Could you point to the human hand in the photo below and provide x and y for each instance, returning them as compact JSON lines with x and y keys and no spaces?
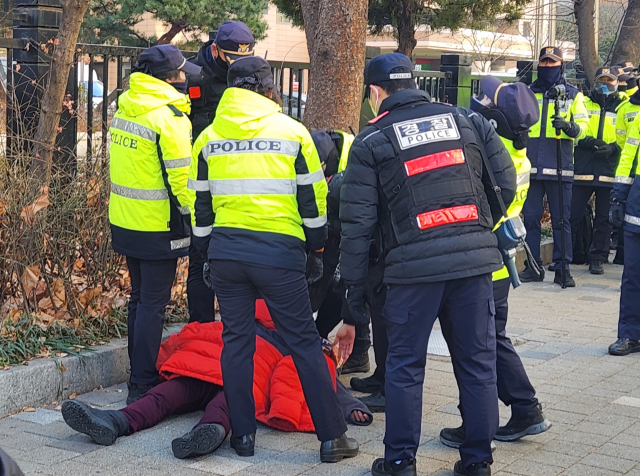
{"x":344,"y":342}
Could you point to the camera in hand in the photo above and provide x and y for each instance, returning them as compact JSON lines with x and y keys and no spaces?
{"x":559,"y":91}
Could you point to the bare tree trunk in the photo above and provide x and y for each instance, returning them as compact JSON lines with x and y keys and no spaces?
{"x":336,"y":37}
{"x":53,"y":99}
{"x":627,"y":46}
{"x":176,"y":28}
{"x":406,"y":31}
{"x":584,"y":12}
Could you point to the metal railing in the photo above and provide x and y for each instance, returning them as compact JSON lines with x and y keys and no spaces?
{"x":434,"y":83}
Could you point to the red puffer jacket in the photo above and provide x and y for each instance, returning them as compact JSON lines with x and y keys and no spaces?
{"x":195,"y":352}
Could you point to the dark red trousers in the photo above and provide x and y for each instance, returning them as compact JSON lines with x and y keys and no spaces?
{"x":176,"y":397}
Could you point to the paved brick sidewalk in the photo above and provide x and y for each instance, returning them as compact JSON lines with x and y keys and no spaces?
{"x":592,"y":399}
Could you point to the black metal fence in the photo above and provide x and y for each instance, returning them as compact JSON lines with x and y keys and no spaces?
{"x":433,"y":82}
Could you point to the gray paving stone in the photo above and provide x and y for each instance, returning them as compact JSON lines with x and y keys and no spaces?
{"x":533,"y":354}
{"x":610,"y":463}
{"x":40,"y":416}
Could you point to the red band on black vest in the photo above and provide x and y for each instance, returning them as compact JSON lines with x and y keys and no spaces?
{"x":195,"y":92}
{"x":434,"y":161}
{"x":447,"y":216}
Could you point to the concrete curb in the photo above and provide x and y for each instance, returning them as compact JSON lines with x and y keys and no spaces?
{"x":546,"y":253}
{"x":41,"y":382}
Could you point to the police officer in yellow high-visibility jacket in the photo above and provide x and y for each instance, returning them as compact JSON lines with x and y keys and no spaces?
{"x":512,"y":109}
{"x":150,"y":154}
{"x":258,"y":193}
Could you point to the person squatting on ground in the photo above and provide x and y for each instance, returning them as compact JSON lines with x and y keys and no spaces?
{"x":512,"y":109}
{"x":234,"y":40}
{"x":189,"y":363}
{"x":416,"y":171}
{"x":263,"y":200}
{"x":625,"y":211}
{"x":573,"y":122}
{"x":596,"y":158}
{"x":150,"y":152}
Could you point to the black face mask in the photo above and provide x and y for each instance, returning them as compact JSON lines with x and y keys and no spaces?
{"x":622,"y":87}
{"x":180,"y":87}
{"x":521,"y":140}
{"x":549,"y":75}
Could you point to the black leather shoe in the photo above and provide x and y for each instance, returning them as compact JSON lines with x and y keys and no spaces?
{"x":375,"y":403}
{"x":244,"y":445}
{"x":339,"y":448}
{"x":624,"y":346}
{"x":570,"y":283}
{"x":478,"y":469}
{"x":136,"y":392}
{"x":102,"y":426}
{"x":366,"y":385}
{"x":527,"y":275}
{"x":454,"y":437}
{"x":200,"y":441}
{"x":552,"y":267}
{"x":405,"y":467}
{"x":533,"y":424}
{"x":356,"y":363}
{"x":595,"y":267}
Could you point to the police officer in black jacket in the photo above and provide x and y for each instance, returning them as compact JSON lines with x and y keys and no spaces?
{"x":234,"y":40}
{"x":417,"y":171}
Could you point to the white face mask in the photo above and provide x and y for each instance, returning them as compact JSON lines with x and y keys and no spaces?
{"x":374,"y":104}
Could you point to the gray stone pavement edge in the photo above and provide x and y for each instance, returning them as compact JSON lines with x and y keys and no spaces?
{"x":593,"y":400}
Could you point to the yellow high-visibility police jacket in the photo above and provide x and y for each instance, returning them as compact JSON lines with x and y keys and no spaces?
{"x":257,"y":189}
{"x":626,"y":188}
{"x":626,"y":115}
{"x":347,"y":140}
{"x":150,"y":154}
{"x":523,"y":172}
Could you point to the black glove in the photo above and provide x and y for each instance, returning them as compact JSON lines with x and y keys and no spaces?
{"x":206,"y":275}
{"x":591,"y":143}
{"x":607,"y":150}
{"x":559,"y":123}
{"x":356,"y":305}
{"x":315,"y":268}
{"x":616,"y":212}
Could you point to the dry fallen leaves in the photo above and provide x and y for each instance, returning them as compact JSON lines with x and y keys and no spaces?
{"x":29,"y":409}
{"x":73,"y":396}
{"x":28,"y":213}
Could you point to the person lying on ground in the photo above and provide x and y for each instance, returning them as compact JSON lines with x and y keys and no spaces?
{"x":189,"y":364}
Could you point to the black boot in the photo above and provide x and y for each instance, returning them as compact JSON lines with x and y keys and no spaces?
{"x":375,"y":402}
{"x":369,"y":384}
{"x":200,"y":441}
{"x":244,"y":445}
{"x":356,"y":363}
{"x":595,"y":267}
{"x":405,"y":467}
{"x":533,"y":424}
{"x":103,"y":426}
{"x":454,"y":437}
{"x":339,"y":448}
{"x":624,"y":346}
{"x":527,"y":275}
{"x":569,"y":282}
{"x":136,"y":392}
{"x":478,"y":469}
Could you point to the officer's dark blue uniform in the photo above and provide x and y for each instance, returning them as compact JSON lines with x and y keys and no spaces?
{"x":234,"y":40}
{"x":542,"y":152}
{"x":417,"y":172}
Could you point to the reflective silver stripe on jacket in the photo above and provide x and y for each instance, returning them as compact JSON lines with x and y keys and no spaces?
{"x":252,"y":187}
{"x":605,"y":178}
{"x":252,"y":146}
{"x":633,"y":141}
{"x":585,"y":177}
{"x":565,"y":173}
{"x":534,"y":170}
{"x":623,"y":179}
{"x":198,"y":185}
{"x":631,"y":115}
{"x":184,"y":210}
{"x":133,"y":128}
{"x":308,"y":179}
{"x":315,"y":222}
{"x":582,"y":116}
{"x":181,"y":243}
{"x":201,"y":231}
{"x":631,"y":219}
{"x":593,"y":112}
{"x":620,"y":131}
{"x":523,"y":179}
{"x":177,"y":163}
{"x":139,"y":193}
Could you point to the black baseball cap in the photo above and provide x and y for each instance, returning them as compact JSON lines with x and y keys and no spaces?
{"x":161,"y":59}
{"x":387,"y":68}
{"x":250,"y":69}
{"x":515,"y":100}
{"x":613,"y":72}
{"x":551,"y":52}
{"x":626,"y":66}
{"x":235,"y":40}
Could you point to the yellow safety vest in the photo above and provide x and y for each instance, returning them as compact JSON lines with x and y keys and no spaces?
{"x":626,"y":115}
{"x":624,"y":172}
{"x":570,"y":109}
{"x":263,"y":170}
{"x":347,"y":140}
{"x":150,"y":154}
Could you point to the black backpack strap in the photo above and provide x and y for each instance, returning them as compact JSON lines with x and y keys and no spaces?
{"x":176,"y":112}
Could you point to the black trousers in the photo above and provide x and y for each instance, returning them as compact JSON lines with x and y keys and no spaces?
{"x":286,"y":294}
{"x":601,"y":242}
{"x":201,"y":298}
{"x":629,"y":320}
{"x":380,"y":340}
{"x":151,"y":282}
